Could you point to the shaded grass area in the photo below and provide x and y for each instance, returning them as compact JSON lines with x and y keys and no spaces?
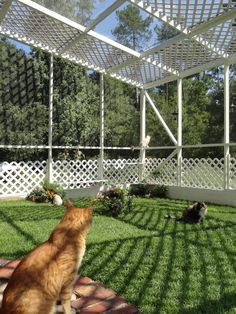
{"x":159,"y":265}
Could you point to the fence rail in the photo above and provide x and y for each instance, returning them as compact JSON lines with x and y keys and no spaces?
{"x":20,"y":178}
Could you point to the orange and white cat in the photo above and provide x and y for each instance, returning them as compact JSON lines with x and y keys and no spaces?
{"x":48,"y":272}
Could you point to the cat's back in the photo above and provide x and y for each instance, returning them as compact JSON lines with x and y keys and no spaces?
{"x":34,"y":282}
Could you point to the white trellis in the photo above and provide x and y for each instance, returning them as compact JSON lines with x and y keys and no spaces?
{"x":19,"y":178}
{"x":206,"y":39}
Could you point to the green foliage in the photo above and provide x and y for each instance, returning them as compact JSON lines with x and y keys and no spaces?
{"x":150,"y":190}
{"x":164,"y":31}
{"x":47,"y":192}
{"x":121,"y":116}
{"x":53,"y":187}
{"x":138,"y":189}
{"x":24,"y":105}
{"x":133,"y":30}
{"x":39,"y":195}
{"x":114,"y":203}
{"x":156,"y":190}
{"x":196,"y":121}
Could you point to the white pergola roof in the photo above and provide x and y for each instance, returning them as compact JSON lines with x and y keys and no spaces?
{"x":207,"y":38}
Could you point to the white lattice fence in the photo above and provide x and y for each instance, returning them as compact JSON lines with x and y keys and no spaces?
{"x":73,"y":174}
{"x":21,"y":177}
{"x":233,"y":173}
{"x":167,"y":175}
{"x":203,"y":173}
{"x":120,"y":171}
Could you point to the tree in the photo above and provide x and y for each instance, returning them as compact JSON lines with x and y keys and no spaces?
{"x":121,"y":117}
{"x":133,"y":30}
{"x":196,"y":115}
{"x":164,"y":31}
{"x":23,"y":115}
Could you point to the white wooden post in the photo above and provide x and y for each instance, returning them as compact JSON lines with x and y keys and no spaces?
{"x":101,"y":157}
{"x":161,"y":119}
{"x":179,"y":139}
{"x":142,"y":155}
{"x":226,"y":127}
{"x":50,"y":122}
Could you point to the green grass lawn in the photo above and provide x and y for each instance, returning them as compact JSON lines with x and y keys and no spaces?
{"x":159,"y":265}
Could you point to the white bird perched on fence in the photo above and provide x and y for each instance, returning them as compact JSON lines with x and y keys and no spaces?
{"x":146,"y":141}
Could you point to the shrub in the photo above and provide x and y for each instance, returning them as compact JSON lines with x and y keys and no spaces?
{"x":157,"y":191}
{"x":138,"y":189}
{"x":46,"y":193}
{"x":151,"y":190}
{"x":53,"y":188}
{"x":38,"y":195}
{"x":114,"y":202}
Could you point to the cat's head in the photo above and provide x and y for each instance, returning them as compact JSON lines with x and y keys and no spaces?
{"x":202,"y":208}
{"x":84,"y":215}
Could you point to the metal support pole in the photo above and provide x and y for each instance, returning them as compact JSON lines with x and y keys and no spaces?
{"x":142,"y":155}
{"x":161,"y":119}
{"x":226,"y":127}
{"x":50,"y":122}
{"x":101,"y":156}
{"x":179,"y":139}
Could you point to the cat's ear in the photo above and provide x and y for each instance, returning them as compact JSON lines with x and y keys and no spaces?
{"x":68,"y":204}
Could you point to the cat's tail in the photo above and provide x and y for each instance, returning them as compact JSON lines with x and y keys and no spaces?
{"x":68,"y":205}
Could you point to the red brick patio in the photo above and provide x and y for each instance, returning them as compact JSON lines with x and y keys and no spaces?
{"x":89,"y":297}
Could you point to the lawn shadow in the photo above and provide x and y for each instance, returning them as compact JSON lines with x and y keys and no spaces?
{"x":23,"y":233}
{"x":226,"y":302}
{"x":125,"y":265}
{"x":31,"y":213}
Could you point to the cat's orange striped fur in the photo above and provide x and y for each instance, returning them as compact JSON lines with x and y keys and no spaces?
{"x":47,"y":273}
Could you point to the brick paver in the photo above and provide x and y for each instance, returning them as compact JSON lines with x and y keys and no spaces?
{"x":89,"y":297}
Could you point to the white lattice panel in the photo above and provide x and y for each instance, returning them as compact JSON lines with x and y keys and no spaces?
{"x":18,"y":178}
{"x":184,"y":55}
{"x":167,"y":175}
{"x":233,"y":173}
{"x":120,"y":171}
{"x":21,"y":177}
{"x":73,"y":174}
{"x":188,"y":13}
{"x":30,"y":25}
{"x":203,"y":173}
{"x":97,"y":52}
{"x":145,"y":72}
{"x":223,"y":36}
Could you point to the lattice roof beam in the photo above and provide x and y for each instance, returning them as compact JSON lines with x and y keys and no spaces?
{"x":95,"y":35}
{"x":6,"y":6}
{"x":187,"y":32}
{"x":77,"y":26}
{"x":189,"y":72}
{"x":80,"y":28}
{"x":141,"y":58}
{"x":93,"y":24}
{"x":191,"y":33}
